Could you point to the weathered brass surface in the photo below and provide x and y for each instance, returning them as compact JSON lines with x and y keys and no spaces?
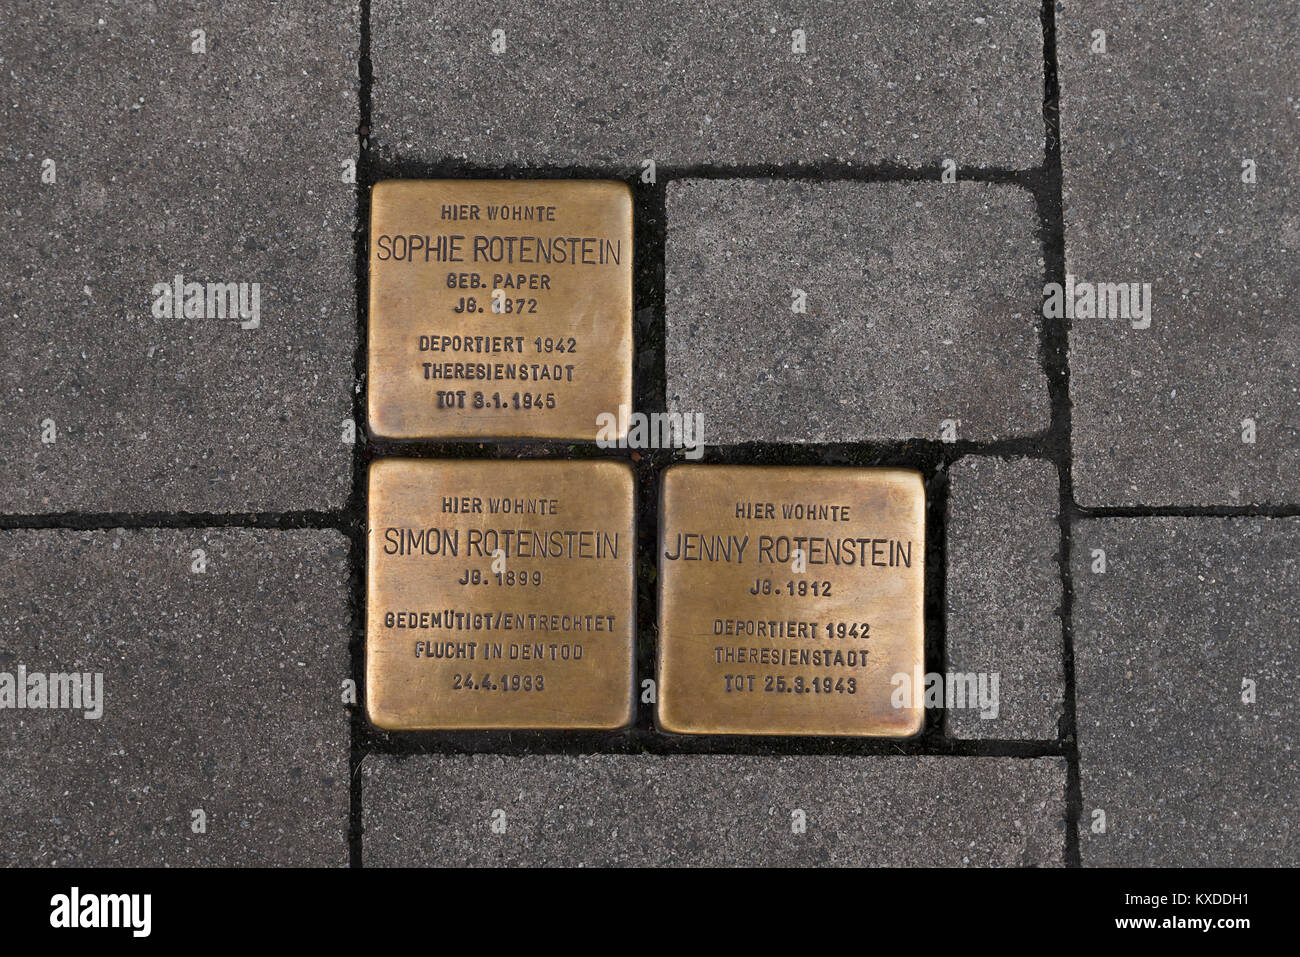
{"x":498,"y":308}
{"x":542,"y":640}
{"x":750,"y":645}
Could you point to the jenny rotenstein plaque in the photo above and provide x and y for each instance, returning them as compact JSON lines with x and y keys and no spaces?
{"x":500,"y":594}
{"x":499,"y":308}
{"x":789,"y":599}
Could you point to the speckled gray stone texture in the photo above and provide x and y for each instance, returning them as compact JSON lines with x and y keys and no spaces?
{"x":922,"y":306}
{"x":221,"y":693}
{"x":1154,"y":132}
{"x":592,"y":83}
{"x":1004,"y":595}
{"x":712,"y":810}
{"x":1188,"y":609}
{"x":223,"y":166}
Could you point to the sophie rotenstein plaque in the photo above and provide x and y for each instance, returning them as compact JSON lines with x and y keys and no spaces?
{"x":499,"y":308}
{"x":789,"y":599}
{"x":500,"y":594}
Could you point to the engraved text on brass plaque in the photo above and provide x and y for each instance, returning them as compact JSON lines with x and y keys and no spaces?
{"x":499,"y":308}
{"x":790,"y":598}
{"x":500,"y":594}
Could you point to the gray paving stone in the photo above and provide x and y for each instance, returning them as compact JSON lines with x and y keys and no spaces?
{"x":601,"y":83}
{"x":922,"y":305}
{"x":1004,"y":595}
{"x":1187,"y":773}
{"x":222,"y":167}
{"x":221,"y":692}
{"x":630,"y":810}
{"x":1154,"y":133}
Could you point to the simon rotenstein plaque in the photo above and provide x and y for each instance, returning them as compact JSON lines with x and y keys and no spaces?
{"x":789,"y":600}
{"x":499,"y":308}
{"x":500,"y":594}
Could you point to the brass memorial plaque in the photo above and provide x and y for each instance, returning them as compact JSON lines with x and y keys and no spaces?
{"x":500,"y":594}
{"x":499,"y":308}
{"x":789,"y":600}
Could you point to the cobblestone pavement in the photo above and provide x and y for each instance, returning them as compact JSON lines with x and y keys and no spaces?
{"x":1113,"y":496}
